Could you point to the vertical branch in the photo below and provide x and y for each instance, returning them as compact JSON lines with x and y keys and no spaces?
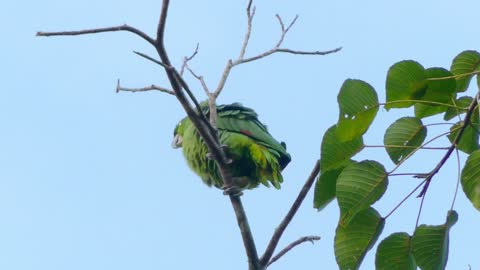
{"x":250,"y":15}
{"x":214,"y":148}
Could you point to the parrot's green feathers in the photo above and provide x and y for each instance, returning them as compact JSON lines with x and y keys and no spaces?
{"x":256,"y":156}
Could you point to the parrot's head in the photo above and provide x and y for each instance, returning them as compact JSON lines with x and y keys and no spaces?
{"x":178,"y":133}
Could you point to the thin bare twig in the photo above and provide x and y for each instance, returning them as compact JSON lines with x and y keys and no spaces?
{"x":421,"y":204}
{"x":404,"y":199}
{"x":246,"y":39}
{"x":187,"y":59}
{"x":291,"y":213}
{"x":420,"y":147}
{"x":202,"y":116}
{"x":428,"y":102}
{"x":406,"y":147}
{"x":199,"y":78}
{"x":454,"y":76}
{"x":275,"y":50}
{"x":152,"y":87}
{"x":101,"y":30}
{"x":283,"y":29}
{"x":302,"y":240}
{"x":459,"y":173}
{"x":151,"y":59}
{"x":415,"y":175}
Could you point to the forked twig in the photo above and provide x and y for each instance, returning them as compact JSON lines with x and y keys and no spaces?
{"x":277,"y":48}
{"x":284,"y":251}
{"x":187,"y":59}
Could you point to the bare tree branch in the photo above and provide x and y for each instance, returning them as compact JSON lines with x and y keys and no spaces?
{"x":283,"y":29}
{"x":277,"y":48}
{"x":151,"y":59}
{"x":100,"y":30}
{"x":199,"y":78}
{"x":284,"y":251}
{"x":152,"y":87}
{"x":246,"y":39}
{"x":187,"y":59}
{"x":291,"y":213}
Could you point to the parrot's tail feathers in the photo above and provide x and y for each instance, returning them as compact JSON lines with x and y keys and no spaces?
{"x":266,"y":165}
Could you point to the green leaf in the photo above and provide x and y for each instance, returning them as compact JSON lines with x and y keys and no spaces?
{"x":438,"y":91}
{"x":469,"y":140}
{"x":325,"y":186}
{"x":464,"y":63}
{"x":424,"y":110}
{"x":394,"y":253}
{"x":430,"y":244}
{"x":358,"y":103}
{"x":354,"y":241}
{"x":406,"y":80}
{"x":471,"y":179}
{"x":463,"y":103}
{"x":335,"y":153}
{"x":359,"y":185}
{"x":403,"y":137}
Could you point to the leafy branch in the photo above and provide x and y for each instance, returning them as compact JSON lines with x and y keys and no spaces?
{"x":358,"y":185}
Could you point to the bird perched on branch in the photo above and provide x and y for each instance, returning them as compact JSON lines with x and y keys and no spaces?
{"x":256,"y":157}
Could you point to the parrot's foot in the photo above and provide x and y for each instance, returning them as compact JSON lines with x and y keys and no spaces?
{"x":235,"y":188}
{"x":232,"y":190}
{"x":225,"y":150}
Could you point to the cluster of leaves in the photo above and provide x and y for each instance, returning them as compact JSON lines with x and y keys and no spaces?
{"x":358,"y":184}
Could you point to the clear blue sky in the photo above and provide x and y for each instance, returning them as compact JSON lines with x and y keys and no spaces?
{"x":88,"y":179}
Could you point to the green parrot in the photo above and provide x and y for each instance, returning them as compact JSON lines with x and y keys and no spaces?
{"x":256,"y":156}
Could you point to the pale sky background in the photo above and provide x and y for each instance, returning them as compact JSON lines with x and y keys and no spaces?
{"x":88,"y":179}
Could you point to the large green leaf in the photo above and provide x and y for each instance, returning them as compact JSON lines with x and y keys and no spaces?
{"x":406,"y":80}
{"x":358,"y":103}
{"x":425,"y":110}
{"x":353,"y":242}
{"x":462,"y":103}
{"x":326,"y":186}
{"x":469,"y":140}
{"x":403,"y":137}
{"x":335,"y":153}
{"x":359,"y":185}
{"x":438,"y":91}
{"x":395,"y":253}
{"x":430,"y":244}
{"x":471,"y":178}
{"x":464,"y":63}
